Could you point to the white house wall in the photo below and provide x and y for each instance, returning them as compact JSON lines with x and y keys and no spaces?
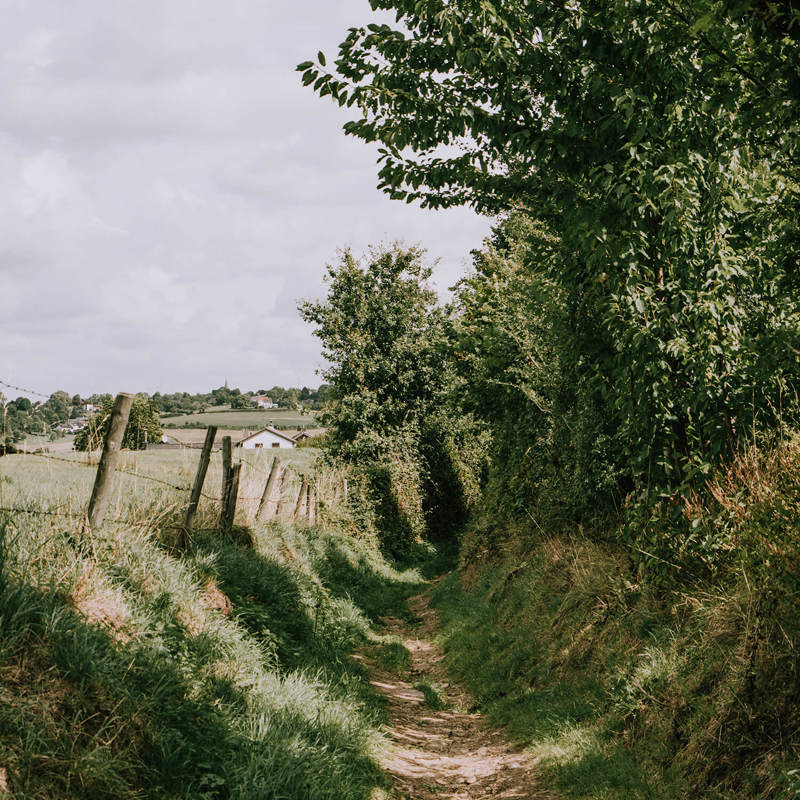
{"x":266,"y":439}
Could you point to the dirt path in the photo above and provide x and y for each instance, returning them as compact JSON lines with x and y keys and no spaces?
{"x":448,"y":754}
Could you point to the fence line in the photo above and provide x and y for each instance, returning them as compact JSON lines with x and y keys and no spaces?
{"x":75,"y":462}
{"x":26,"y":391}
{"x":40,"y":512}
{"x":143,"y":475}
{"x":305,"y":503}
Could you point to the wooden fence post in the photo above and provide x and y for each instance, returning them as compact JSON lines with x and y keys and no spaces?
{"x":310,"y":504}
{"x":267,"y":506}
{"x":283,"y":501}
{"x":300,"y":498}
{"x":199,"y":479}
{"x":345,"y":490}
{"x":230,"y":508}
{"x":227,"y":480}
{"x":104,"y":480}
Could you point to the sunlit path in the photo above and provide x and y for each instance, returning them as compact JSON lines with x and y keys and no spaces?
{"x":446,"y":753}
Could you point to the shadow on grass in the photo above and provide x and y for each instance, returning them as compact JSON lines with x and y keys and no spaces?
{"x":514,"y":683}
{"x":85,"y":714}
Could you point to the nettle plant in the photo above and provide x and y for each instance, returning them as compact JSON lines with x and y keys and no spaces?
{"x":658,"y":142}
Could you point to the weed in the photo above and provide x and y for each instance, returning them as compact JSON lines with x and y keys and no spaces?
{"x":433,"y":695}
{"x":394,"y":656}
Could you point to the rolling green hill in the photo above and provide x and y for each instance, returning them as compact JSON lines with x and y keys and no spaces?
{"x":280,"y":418}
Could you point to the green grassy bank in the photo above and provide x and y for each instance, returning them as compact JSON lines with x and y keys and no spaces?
{"x":626,"y":689}
{"x":128,"y":670}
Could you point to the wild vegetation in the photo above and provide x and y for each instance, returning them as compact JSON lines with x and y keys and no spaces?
{"x":129,"y":670}
{"x":620,"y":364}
{"x":603,"y":419}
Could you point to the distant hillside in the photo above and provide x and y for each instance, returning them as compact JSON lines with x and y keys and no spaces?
{"x":250,"y":419}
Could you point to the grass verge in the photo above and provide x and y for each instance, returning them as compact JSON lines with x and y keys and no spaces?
{"x":128,"y":671}
{"x":622,"y":690}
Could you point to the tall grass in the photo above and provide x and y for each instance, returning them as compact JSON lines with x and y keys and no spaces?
{"x":129,"y":671}
{"x":628,"y":690}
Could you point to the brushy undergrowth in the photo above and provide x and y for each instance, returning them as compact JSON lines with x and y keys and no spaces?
{"x":130,"y":671}
{"x":629,"y":690}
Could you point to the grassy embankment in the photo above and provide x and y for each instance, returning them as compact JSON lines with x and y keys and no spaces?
{"x":128,"y":670}
{"x":625,"y":690}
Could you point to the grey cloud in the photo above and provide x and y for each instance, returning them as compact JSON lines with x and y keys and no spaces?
{"x":168,"y":191}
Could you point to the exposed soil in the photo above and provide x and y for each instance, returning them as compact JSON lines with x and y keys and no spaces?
{"x":451,"y":753}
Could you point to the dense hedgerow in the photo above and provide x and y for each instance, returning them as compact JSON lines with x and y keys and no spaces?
{"x":627,"y":689}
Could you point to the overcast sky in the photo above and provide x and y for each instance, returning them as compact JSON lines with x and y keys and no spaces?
{"x":168,"y":191}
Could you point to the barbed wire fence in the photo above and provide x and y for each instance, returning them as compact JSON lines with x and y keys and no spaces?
{"x":281,"y":497}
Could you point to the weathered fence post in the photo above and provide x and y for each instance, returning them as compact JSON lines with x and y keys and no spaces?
{"x":230,"y":506}
{"x":227,"y":480}
{"x":300,"y":498}
{"x":283,"y":500}
{"x":344,"y":487}
{"x":199,"y":479}
{"x":310,"y":504}
{"x":104,"y":480}
{"x":268,"y":505}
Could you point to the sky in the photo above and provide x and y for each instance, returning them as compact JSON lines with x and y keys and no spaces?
{"x":169,"y":191}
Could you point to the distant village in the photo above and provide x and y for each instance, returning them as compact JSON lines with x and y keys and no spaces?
{"x":62,"y":415}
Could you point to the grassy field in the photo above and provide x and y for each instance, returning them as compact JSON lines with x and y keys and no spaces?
{"x":130,"y":670}
{"x":280,"y":418}
{"x":38,"y":479}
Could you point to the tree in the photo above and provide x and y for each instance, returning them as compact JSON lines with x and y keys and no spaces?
{"x":387,"y":391}
{"x":143,"y":426}
{"x":657,"y":150}
{"x":379,"y":328}
{"x":239,"y":400}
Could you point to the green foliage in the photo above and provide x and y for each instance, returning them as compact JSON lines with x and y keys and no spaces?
{"x":389,"y":411}
{"x":648,"y":321}
{"x":394,"y":656}
{"x":622,"y":690}
{"x":143,"y":426}
{"x":432,"y":693}
{"x":379,"y":328}
{"x":22,"y":416}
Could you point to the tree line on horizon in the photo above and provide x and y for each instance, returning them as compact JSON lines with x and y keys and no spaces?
{"x":23,"y":417}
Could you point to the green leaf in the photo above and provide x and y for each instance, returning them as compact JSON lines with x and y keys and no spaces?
{"x":701,"y":25}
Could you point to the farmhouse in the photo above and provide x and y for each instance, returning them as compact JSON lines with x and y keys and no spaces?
{"x":269,"y":437}
{"x":263,"y":401}
{"x":301,"y":436}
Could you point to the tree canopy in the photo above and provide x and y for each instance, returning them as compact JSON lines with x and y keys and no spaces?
{"x":143,"y":426}
{"x":635,"y":319}
{"x":657,"y":144}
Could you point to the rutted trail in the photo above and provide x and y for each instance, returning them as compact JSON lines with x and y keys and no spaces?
{"x":447,"y":753}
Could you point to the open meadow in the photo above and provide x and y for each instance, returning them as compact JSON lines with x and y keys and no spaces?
{"x":34,"y":480}
{"x":255,"y":419}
